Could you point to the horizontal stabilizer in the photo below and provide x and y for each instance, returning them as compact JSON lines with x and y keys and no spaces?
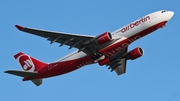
{"x":21,"y":73}
{"x":37,"y":82}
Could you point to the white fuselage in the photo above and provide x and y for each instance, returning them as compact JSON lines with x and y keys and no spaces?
{"x":110,"y":49}
{"x":130,"y":30}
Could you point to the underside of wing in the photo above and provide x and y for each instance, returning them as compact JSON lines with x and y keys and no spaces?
{"x":85,"y":43}
{"x":118,"y":62}
{"x":121,"y":69}
{"x":72,"y":40}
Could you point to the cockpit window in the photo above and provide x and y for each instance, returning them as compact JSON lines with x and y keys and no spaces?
{"x":163,"y":11}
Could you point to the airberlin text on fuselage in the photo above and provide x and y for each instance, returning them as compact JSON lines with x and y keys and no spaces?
{"x":134,"y":24}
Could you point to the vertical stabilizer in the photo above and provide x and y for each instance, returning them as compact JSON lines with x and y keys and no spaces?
{"x":29,"y":63}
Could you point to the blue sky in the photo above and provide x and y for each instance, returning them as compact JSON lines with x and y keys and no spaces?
{"x":153,"y":77}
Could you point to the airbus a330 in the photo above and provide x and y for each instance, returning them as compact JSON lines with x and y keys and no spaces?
{"x":108,"y":49}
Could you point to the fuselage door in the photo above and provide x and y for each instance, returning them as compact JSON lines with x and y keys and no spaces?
{"x":153,"y":16}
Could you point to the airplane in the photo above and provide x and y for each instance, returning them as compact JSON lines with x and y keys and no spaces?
{"x":108,"y":49}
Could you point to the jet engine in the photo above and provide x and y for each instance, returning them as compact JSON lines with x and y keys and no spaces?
{"x":135,"y":53}
{"x":103,"y":38}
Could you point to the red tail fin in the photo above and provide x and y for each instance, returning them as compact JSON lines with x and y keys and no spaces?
{"x":29,"y":63}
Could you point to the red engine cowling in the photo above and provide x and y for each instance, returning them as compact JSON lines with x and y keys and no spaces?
{"x":103,"y":38}
{"x":135,"y":53}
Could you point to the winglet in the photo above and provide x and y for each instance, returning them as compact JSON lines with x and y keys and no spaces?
{"x":19,"y":27}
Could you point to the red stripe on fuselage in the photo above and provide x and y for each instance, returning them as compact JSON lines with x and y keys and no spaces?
{"x":59,"y":68}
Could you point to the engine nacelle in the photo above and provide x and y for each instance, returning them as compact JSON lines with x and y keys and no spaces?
{"x":103,"y":38}
{"x":135,"y":53}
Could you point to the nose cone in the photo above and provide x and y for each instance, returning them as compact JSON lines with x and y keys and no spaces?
{"x":170,"y":14}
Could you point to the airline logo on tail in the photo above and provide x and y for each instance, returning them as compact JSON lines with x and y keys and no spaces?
{"x":25,"y":62}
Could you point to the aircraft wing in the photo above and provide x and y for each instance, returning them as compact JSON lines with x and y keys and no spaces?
{"x":118,"y":62}
{"x":72,"y":40}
